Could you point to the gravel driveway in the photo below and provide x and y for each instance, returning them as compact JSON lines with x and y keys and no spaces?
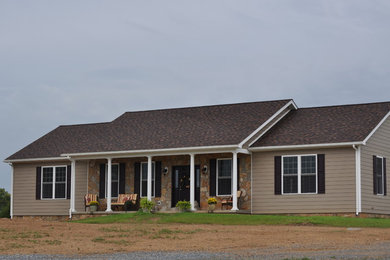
{"x":377,"y":251}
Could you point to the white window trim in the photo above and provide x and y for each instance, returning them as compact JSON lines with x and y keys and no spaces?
{"x":231,"y":177}
{"x":154,"y":183}
{"x":54,"y":182}
{"x":106,"y":179}
{"x":299,"y":156}
{"x":383,"y":177}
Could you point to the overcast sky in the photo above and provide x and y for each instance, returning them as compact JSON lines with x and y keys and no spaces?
{"x":69,"y":62}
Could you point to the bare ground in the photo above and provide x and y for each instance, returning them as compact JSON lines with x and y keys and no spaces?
{"x":49,"y":237}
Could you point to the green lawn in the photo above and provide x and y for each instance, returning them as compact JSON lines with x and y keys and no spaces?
{"x":238,"y":219}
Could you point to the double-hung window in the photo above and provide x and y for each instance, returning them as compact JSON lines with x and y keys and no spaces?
{"x":379,"y":175}
{"x":224,"y":177}
{"x":53,"y":182}
{"x":299,"y":174}
{"x":114,"y":180}
{"x":144,"y":179}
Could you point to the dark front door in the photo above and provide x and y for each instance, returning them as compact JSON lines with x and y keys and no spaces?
{"x":181,"y":184}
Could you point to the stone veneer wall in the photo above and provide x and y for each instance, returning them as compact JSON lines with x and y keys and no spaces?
{"x":164,"y":202}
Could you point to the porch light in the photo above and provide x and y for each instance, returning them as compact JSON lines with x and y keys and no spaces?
{"x":165,"y":171}
{"x":204,"y":169}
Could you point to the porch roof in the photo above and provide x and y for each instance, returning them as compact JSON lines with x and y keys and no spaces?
{"x":217,"y":125}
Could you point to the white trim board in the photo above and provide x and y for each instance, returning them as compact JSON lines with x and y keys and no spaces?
{"x":303,"y":146}
{"x":290,"y":103}
{"x":156,"y":152}
{"x":37,"y":159}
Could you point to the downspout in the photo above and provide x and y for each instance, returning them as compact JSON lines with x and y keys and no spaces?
{"x":70,"y":206}
{"x":358,"y":179}
{"x":11,"y":209}
{"x":251,"y":183}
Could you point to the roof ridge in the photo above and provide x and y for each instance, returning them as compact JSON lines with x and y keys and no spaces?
{"x":346,"y":105}
{"x":101,"y":123}
{"x":205,"y":106}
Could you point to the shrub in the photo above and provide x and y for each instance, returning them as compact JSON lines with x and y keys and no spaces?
{"x":5,"y":198}
{"x":129,"y":205}
{"x":94,"y":203}
{"x":183,"y":205}
{"x":147,"y":205}
{"x":211,"y":201}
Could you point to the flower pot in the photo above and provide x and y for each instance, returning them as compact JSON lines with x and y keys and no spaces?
{"x":93,"y":208}
{"x":211,"y":208}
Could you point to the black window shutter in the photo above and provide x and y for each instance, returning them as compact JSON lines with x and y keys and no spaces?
{"x":38,"y":184}
{"x":157,"y":191}
{"x":278,"y":175}
{"x":137,"y":172}
{"x":68,"y":180}
{"x":212,"y":178}
{"x":122,"y":178}
{"x":321,"y":173}
{"x":238,"y":174}
{"x":384,"y":177}
{"x":374,"y":174}
{"x":102,"y":181}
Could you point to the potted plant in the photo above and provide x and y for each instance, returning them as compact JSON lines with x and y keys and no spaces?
{"x":212,"y":202}
{"x":183,"y":205}
{"x":146,"y":205}
{"x":93,"y":205}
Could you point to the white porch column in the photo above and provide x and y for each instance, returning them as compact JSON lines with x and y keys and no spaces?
{"x":192,"y":181}
{"x":109,"y":162}
{"x":149,"y":189}
{"x":234,"y":188}
{"x":72,"y":186}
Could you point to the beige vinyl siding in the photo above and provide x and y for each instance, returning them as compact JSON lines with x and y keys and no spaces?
{"x":24,"y":200}
{"x":81,"y":184}
{"x":378,"y":144}
{"x":339,"y":184}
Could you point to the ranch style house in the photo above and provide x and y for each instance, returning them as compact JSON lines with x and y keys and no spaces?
{"x":264,"y":157}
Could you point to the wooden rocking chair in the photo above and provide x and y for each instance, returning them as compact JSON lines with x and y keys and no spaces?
{"x":229,"y":201}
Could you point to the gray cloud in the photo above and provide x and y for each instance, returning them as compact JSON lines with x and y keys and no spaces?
{"x":89,"y":61}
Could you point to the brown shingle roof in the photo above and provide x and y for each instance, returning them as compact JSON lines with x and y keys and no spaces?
{"x":332,"y":124}
{"x":156,"y":129}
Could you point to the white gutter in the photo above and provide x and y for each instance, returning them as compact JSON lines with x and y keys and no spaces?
{"x":11,"y":210}
{"x":302,"y":146}
{"x":376,"y":128}
{"x":35,"y":159}
{"x":358,"y":179}
{"x":267,"y":122}
{"x":155,"y":152}
{"x":139,"y":153}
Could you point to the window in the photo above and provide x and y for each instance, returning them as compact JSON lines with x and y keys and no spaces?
{"x":114,"y":180}
{"x":299,"y":174}
{"x":53,"y":182}
{"x":144,"y":179}
{"x":224,"y":177}
{"x":379,"y":176}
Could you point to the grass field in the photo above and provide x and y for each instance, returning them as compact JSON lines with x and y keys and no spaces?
{"x":238,"y":219}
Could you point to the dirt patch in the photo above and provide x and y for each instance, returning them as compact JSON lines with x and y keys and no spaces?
{"x":28,"y":236}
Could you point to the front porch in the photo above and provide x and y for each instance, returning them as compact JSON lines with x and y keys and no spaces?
{"x":166,"y":179}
